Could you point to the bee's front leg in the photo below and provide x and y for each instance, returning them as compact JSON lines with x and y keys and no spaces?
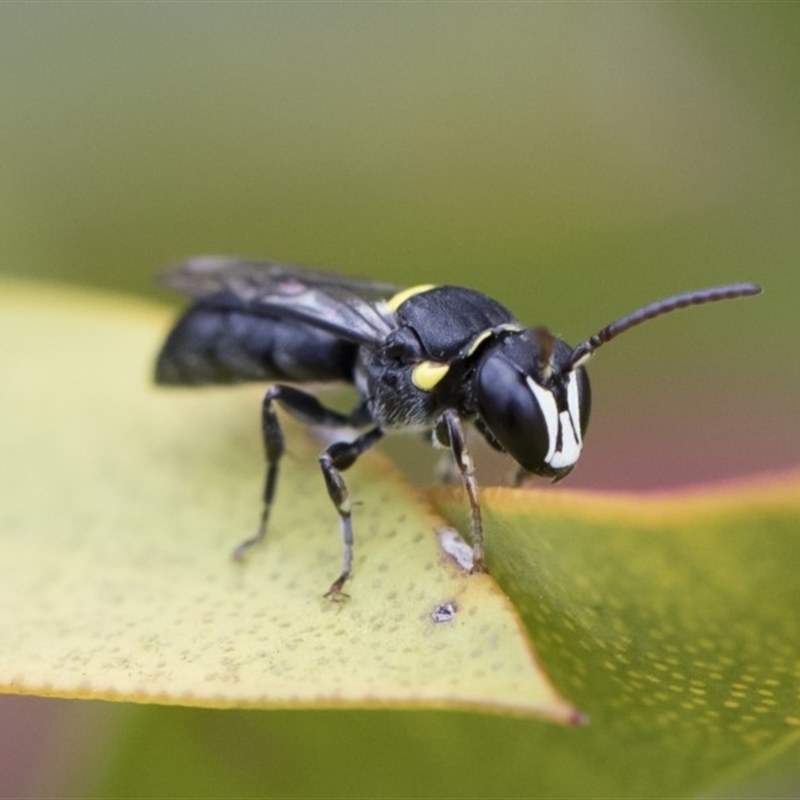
{"x":333,"y":461}
{"x":450,"y":433}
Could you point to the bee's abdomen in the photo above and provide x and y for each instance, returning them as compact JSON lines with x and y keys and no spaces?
{"x":211,"y":345}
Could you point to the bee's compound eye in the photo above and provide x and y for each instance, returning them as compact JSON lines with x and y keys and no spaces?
{"x":513,"y":413}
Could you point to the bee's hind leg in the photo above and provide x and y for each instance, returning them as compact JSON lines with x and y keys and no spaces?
{"x":304,"y":407}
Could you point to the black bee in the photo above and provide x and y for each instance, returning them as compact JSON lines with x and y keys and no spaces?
{"x":429,"y":358}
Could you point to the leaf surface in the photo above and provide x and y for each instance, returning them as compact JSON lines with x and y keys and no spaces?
{"x":672,"y":619}
{"x":121,"y":505}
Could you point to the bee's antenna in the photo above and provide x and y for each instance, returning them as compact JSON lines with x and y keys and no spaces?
{"x":582,"y":353}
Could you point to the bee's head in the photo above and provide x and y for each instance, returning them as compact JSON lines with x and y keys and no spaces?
{"x":533,"y":402}
{"x":533,"y":392}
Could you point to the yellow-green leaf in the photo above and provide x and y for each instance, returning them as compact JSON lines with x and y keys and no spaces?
{"x":673,"y":620}
{"x":121,"y":503}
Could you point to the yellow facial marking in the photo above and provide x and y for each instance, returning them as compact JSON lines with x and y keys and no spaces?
{"x":395,"y":302}
{"x":427,"y":374}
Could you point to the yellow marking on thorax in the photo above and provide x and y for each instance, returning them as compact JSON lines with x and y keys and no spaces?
{"x":484,"y":335}
{"x":393,"y":303}
{"x":427,"y":374}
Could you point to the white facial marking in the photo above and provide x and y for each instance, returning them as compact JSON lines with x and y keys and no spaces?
{"x":547,"y":403}
{"x":568,"y":422}
{"x":571,"y":425}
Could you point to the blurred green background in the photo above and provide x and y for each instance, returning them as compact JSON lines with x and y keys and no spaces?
{"x":573,"y":160}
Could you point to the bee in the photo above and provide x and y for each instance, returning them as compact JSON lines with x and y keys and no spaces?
{"x":428,"y":358}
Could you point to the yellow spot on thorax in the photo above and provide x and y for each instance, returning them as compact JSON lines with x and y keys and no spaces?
{"x":395,"y":302}
{"x":427,"y":374}
{"x":478,"y":340}
{"x":484,"y":335}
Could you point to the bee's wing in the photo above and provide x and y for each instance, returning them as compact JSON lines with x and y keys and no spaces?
{"x":343,"y":306}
